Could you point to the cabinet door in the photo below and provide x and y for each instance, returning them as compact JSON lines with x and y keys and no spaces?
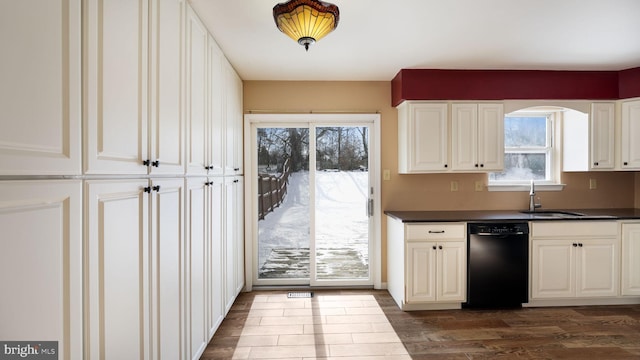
{"x":167,"y":125}
{"x":216,"y":87}
{"x":630,"y":135}
{"x":233,"y":121}
{"x":167,"y":244}
{"x":601,"y":136}
{"x":233,"y":242}
{"x":631,"y":259}
{"x":597,"y":272}
{"x":41,"y":263}
{"x":196,"y":268}
{"x":491,"y":137}
{"x":117,"y":269}
{"x":451,"y":271}
{"x":116,"y":95}
{"x":216,"y":309}
{"x":196,"y":105}
{"x":464,"y":144}
{"x":552,"y":269}
{"x":422,"y":138}
{"x":421,"y":272}
{"x":40,"y":90}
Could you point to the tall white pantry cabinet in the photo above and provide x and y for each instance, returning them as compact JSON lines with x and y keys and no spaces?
{"x":120,"y":194}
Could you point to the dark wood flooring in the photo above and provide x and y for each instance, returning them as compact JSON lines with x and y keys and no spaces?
{"x":587,"y":332}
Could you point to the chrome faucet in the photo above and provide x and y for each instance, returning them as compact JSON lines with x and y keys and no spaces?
{"x":532,"y":202}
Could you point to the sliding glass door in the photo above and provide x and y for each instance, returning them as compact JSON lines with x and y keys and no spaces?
{"x":313,"y":200}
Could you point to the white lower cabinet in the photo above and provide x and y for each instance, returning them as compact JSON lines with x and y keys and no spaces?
{"x":577,"y":259}
{"x":41,"y":263}
{"x":630,"y":259}
{"x":117,"y":269}
{"x":234,"y":239}
{"x":426,"y":264}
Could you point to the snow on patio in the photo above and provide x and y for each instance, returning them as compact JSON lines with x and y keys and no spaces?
{"x":341,"y":228}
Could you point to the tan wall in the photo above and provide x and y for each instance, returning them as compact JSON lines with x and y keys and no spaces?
{"x":431,"y":192}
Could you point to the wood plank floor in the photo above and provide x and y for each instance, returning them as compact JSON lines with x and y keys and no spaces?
{"x":367,"y":324}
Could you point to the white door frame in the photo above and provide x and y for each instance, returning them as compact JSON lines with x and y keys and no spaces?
{"x":251,"y":183}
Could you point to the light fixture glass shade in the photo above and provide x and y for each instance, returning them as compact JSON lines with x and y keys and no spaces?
{"x":306,"y":21}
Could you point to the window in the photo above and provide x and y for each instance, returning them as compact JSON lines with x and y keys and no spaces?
{"x":529,"y":150}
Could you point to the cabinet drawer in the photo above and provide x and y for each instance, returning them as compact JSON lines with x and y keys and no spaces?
{"x":435,"y":231}
{"x":556,"y":229}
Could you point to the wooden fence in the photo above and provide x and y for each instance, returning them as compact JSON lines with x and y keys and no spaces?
{"x":272,"y":189}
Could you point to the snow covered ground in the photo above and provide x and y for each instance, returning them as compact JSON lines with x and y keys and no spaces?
{"x":341,"y":219}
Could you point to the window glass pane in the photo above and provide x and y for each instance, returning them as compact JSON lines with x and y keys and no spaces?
{"x":521,"y":131}
{"x":522,"y":166}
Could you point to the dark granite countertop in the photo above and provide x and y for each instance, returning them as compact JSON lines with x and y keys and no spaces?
{"x":512,"y":215}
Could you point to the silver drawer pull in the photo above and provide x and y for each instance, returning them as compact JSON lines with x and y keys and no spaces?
{"x":436,"y":231}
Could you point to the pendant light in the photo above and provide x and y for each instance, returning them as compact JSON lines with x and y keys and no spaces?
{"x":306,"y":21}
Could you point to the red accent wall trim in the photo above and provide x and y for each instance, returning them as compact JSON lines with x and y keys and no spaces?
{"x":434,"y":84}
{"x":629,"y":83}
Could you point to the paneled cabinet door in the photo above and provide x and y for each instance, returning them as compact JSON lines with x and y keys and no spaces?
{"x":630,"y":135}
{"x":216,"y":87}
{"x":597,"y":268}
{"x":40,"y":90}
{"x":477,"y":137}
{"x":233,"y":121}
{"x":167,"y":273}
{"x":552,"y":269}
{"x":421,"y":272}
{"x":117,"y":269}
{"x":601,"y":137}
{"x":41,"y":263}
{"x":116,"y":91}
{"x":631,"y":259}
{"x":216,"y":306}
{"x":422,"y":138}
{"x":234,"y":240}
{"x":451,"y":260}
{"x":196,"y":104}
{"x":197,"y":214}
{"x":167,"y":120}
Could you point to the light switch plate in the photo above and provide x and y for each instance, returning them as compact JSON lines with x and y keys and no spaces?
{"x":593,"y":184}
{"x":386,"y":174}
{"x":479,"y":186}
{"x":454,"y":186}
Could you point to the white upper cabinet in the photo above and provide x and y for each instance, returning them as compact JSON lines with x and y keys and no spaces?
{"x":134,"y":120}
{"x":422,"y":137}
{"x":40,"y":90}
{"x":116,"y":94}
{"x":167,"y":120}
{"x":216,"y":87}
{"x":588,"y":141}
{"x":630,"y":134}
{"x":233,"y":121}
{"x":196,"y":107}
{"x":477,"y":137}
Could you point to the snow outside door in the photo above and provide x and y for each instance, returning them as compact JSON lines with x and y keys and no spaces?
{"x":314,"y":204}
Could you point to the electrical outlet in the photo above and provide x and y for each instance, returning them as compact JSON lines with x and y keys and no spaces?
{"x":479,"y":186}
{"x":593,"y":184}
{"x":454,"y":186}
{"x":386,"y":174}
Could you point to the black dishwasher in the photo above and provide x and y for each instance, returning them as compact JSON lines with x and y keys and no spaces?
{"x":497,"y":265}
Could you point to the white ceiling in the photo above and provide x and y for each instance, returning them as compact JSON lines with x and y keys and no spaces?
{"x":377,"y":38}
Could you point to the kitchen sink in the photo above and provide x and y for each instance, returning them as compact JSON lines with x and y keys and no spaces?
{"x":554,"y":214}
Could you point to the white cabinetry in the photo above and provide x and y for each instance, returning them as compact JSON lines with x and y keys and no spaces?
{"x":117,"y":269}
{"x":427,"y":264}
{"x":41,"y":263}
{"x":122,"y":135}
{"x":234,"y":239}
{"x":588,"y":142}
{"x":216,"y":110}
{"x":233,"y":122}
{"x":575,"y":259}
{"x":422,"y":137}
{"x":631,"y":259}
{"x":630,"y":134}
{"x":40,"y":91}
{"x":477,"y":137}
